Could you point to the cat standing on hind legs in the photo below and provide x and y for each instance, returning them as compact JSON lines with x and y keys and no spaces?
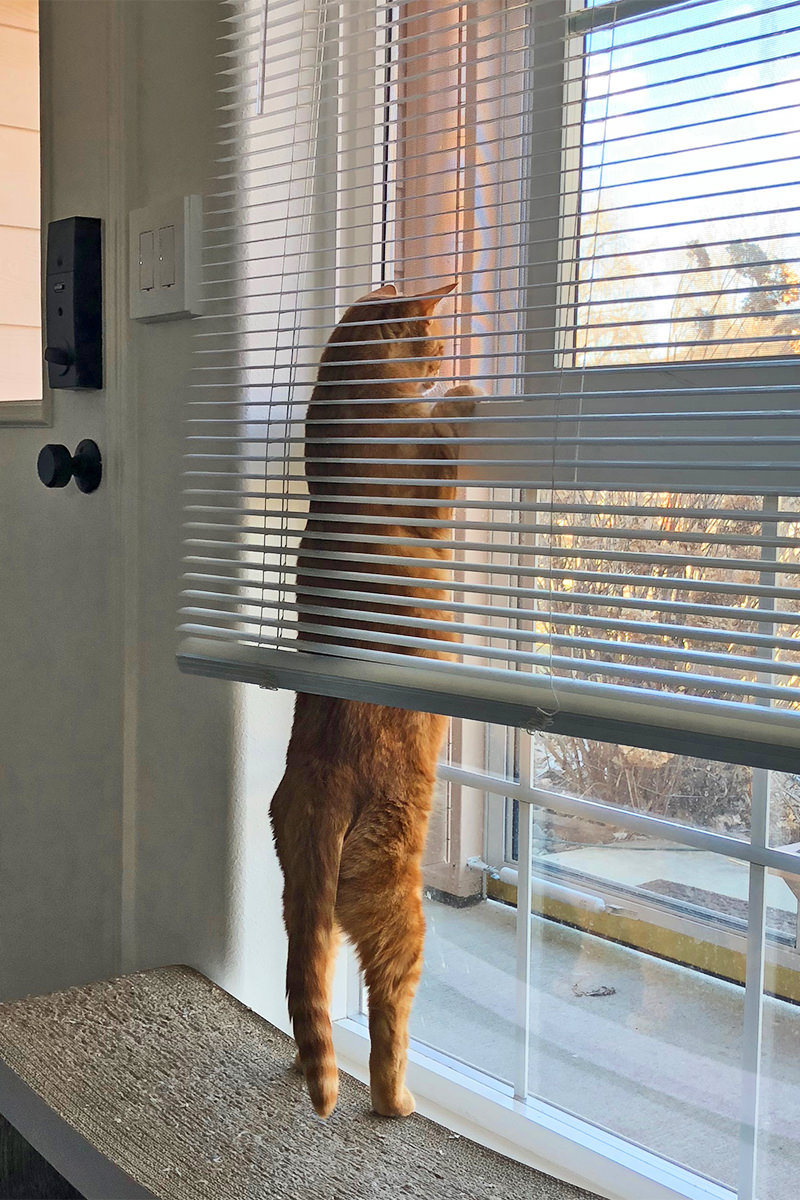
{"x":350,"y":814}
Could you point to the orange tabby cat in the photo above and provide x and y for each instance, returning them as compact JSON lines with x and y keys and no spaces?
{"x":350,"y":814}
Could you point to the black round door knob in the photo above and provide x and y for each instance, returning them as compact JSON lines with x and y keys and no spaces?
{"x":56,"y":466}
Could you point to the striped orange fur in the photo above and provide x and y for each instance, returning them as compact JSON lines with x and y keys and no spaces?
{"x":350,"y":814}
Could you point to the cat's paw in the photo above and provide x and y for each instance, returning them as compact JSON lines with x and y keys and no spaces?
{"x":457,"y":403}
{"x":394,"y":1106}
{"x":465,"y":389}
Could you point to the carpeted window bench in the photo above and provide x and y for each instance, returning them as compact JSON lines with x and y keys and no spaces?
{"x":162,"y":1085}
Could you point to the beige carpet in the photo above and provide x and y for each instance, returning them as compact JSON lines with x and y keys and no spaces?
{"x":194,"y":1096}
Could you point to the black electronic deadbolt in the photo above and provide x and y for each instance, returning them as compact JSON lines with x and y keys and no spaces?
{"x":74,"y":304}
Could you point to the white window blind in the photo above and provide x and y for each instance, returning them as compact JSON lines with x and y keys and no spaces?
{"x":614,"y":187}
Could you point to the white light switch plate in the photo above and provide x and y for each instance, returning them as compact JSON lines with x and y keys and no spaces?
{"x":164,"y":241}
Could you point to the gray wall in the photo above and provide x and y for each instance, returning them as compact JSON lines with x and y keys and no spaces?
{"x":177,"y":870}
{"x":60,"y":684}
{"x":133,"y":799}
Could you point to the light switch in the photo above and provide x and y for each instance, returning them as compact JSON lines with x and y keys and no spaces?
{"x":166,"y":256}
{"x":146,"y":261}
{"x":164,"y":259}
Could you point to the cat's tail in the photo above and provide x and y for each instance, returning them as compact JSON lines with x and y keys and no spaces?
{"x":310,"y":853}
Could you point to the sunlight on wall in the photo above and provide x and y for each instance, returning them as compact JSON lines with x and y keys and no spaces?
{"x":20,"y":312}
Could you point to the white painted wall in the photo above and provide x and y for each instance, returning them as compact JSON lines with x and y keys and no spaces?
{"x":133,"y":799}
{"x":204,"y":881}
{"x":60,"y":684}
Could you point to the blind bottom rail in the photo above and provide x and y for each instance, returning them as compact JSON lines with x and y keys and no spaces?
{"x":752,"y":736}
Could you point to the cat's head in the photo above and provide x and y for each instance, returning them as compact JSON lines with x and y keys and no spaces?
{"x":388,"y":327}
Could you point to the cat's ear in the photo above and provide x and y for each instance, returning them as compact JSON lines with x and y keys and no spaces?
{"x":429,"y":300}
{"x":387,"y":292}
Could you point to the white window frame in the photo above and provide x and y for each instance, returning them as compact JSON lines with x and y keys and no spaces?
{"x":592,"y":391}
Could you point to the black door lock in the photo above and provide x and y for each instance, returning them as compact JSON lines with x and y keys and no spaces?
{"x":74,"y":303}
{"x":56,"y":466}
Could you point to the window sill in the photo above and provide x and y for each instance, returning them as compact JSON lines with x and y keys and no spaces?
{"x":26,"y":412}
{"x":533,"y":1132}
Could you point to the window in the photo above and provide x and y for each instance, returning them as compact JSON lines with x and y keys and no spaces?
{"x":644,"y":929}
{"x":612,"y":186}
{"x":678,"y":107}
{"x":20,"y":304}
{"x":659,"y":570}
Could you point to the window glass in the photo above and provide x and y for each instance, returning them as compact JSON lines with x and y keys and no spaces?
{"x":778,"y":1112}
{"x":639,"y":940}
{"x":637,"y":956}
{"x":687,"y":204}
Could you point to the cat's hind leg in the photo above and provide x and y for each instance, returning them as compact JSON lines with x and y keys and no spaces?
{"x":380,"y":909}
